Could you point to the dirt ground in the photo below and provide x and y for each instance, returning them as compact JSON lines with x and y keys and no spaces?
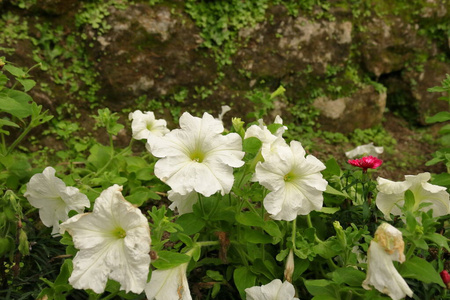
{"x":414,"y":148}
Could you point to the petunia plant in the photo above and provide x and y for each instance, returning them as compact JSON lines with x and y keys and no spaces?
{"x":202,"y":211}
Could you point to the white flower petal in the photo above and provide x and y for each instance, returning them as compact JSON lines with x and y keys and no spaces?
{"x":183,"y":203}
{"x":145,"y":124}
{"x":365,"y":150}
{"x":274,"y":290}
{"x":169,"y":284}
{"x":390,"y":197}
{"x":53,"y":198}
{"x":114,"y":242}
{"x":197,"y":157}
{"x":294,"y":180}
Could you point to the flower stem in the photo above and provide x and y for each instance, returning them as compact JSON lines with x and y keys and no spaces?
{"x":310,"y":225}
{"x":294,"y":231}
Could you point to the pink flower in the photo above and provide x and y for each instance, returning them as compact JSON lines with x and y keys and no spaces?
{"x":366,"y":162}
{"x":445,"y":278}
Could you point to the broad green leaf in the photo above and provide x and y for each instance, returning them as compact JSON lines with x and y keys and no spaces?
{"x":16,"y":103}
{"x":420,"y":269}
{"x":438,"y":239}
{"x":349,"y":276}
{"x":214,"y":275}
{"x":243,"y":278}
{"x":320,"y":287}
{"x":332,"y":167}
{"x":441,"y":116}
{"x":27,"y":84}
{"x":256,"y":237}
{"x":17,"y":72}
{"x":249,"y":219}
{"x":191,"y":223}
{"x":251,"y":145}
{"x":168,"y":259}
{"x":65,"y":272}
{"x":271,"y":227}
{"x":145,"y":174}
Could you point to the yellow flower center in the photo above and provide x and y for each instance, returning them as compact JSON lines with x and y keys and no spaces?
{"x":197,"y":156}
{"x":289,"y":177}
{"x":119,"y":233}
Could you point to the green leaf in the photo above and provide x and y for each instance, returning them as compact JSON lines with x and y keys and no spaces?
{"x":441,"y":116}
{"x":256,"y":237}
{"x":349,"y":276}
{"x":438,"y":239}
{"x":420,"y":269}
{"x":16,"y":103}
{"x":243,"y":278}
{"x":214,"y":275}
{"x":168,"y":259}
{"x":251,"y":145}
{"x":17,"y":72}
{"x":27,"y":84}
{"x":65,"y":272}
{"x":4,"y":122}
{"x":250,"y":218}
{"x":329,"y":210}
{"x":271,"y":227}
{"x":321,"y":287}
{"x":332,"y":167}
{"x":145,"y":174}
{"x":331,"y":190}
{"x":190,"y":223}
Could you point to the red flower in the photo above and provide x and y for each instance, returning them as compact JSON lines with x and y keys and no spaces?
{"x":445,"y":278}
{"x":366,"y":162}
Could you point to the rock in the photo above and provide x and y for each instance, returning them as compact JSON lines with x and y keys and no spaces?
{"x":149,"y":51}
{"x":387,"y":44}
{"x":286,"y":44}
{"x":427,"y":103}
{"x":363,"y":109}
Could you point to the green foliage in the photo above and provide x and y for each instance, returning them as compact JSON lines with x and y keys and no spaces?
{"x":443,"y":154}
{"x":220,"y":21}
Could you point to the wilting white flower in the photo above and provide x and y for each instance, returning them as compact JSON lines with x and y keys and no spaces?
{"x":169,"y":284}
{"x":197,"y":157}
{"x":386,"y":247}
{"x":391,"y":195}
{"x":145,"y":123}
{"x":294,"y":180}
{"x":183,"y":203}
{"x":365,"y":150}
{"x":114,"y":242}
{"x":274,"y":290}
{"x":270,"y":142}
{"x":53,"y":198}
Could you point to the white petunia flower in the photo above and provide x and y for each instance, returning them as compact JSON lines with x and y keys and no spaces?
{"x":183,"y":203}
{"x":53,"y":198}
{"x":386,"y":247}
{"x":365,"y":150}
{"x":391,"y":195}
{"x":144,"y":124}
{"x":197,"y":157}
{"x":274,"y":290}
{"x":270,"y":142}
{"x":294,"y":180}
{"x":114,"y":242}
{"x":169,"y":284}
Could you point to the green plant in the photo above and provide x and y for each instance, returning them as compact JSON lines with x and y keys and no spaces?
{"x":443,"y":154}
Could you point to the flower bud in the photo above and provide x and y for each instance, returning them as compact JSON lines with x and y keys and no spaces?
{"x":238,"y":126}
{"x":289,"y":269}
{"x":445,"y":278}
